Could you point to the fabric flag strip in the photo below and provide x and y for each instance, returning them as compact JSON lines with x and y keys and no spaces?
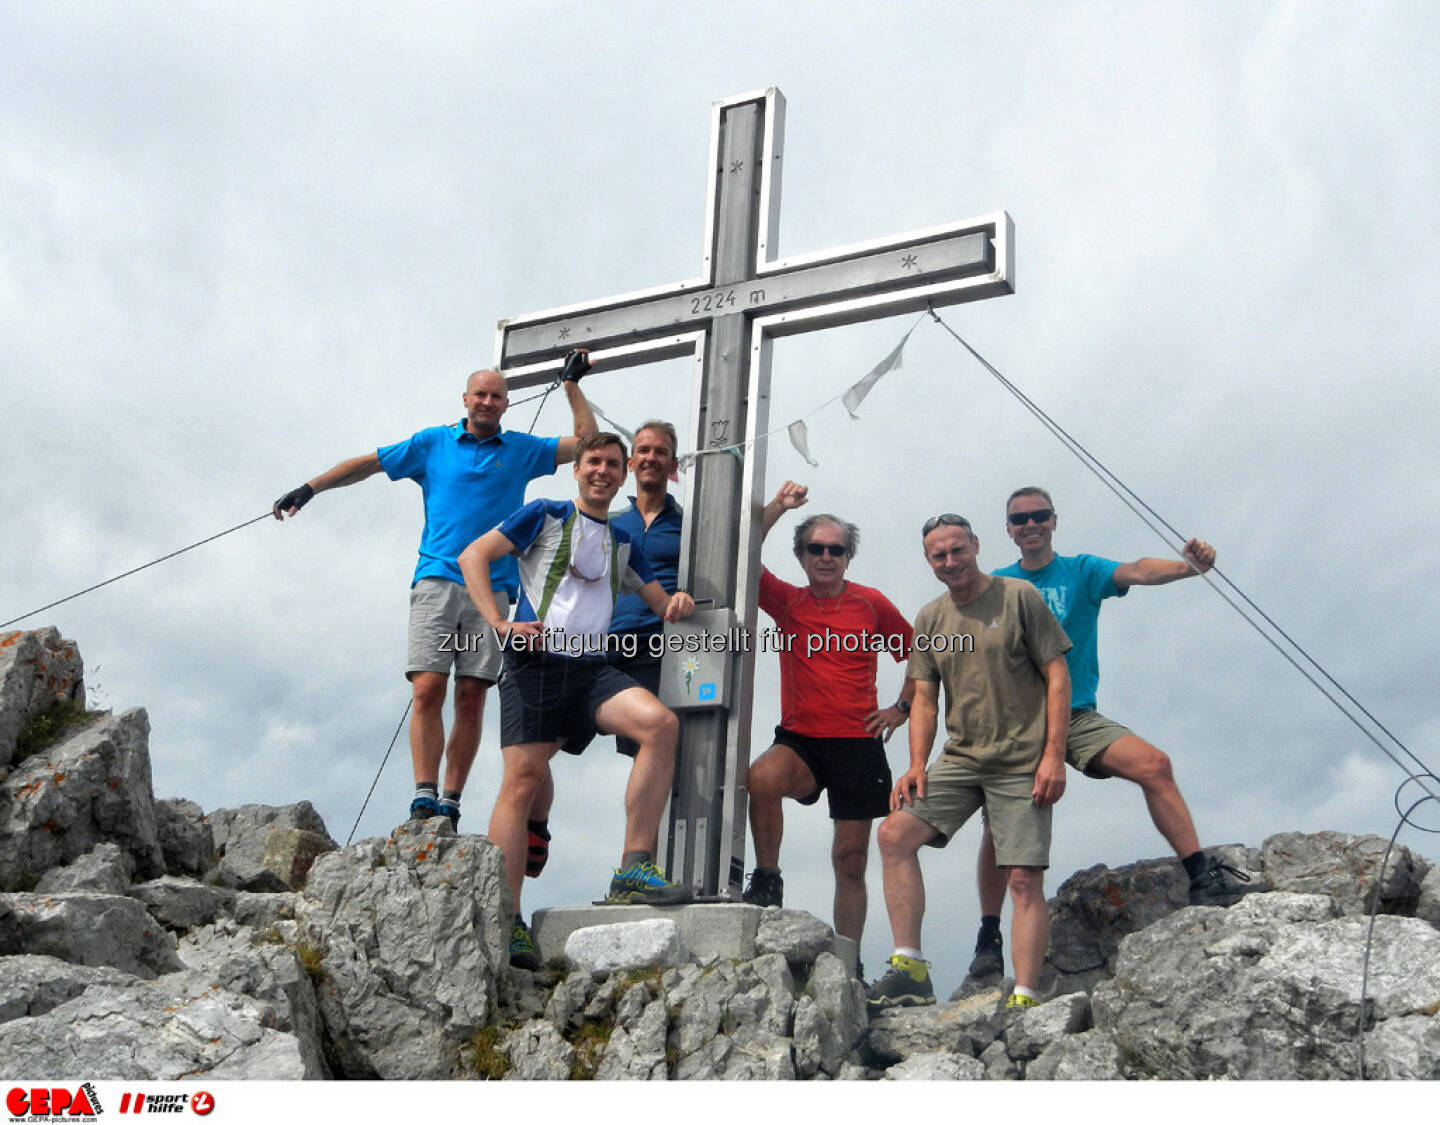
{"x":800,"y":439}
{"x":856,"y":394}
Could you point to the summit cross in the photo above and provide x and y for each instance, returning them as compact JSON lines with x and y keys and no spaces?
{"x":726,"y":319}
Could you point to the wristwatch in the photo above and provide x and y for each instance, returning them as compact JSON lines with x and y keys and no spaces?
{"x":903,"y":706}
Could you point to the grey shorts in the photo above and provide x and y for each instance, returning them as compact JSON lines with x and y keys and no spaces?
{"x":446,"y":630}
{"x":953,"y":794}
{"x":1091,"y":734}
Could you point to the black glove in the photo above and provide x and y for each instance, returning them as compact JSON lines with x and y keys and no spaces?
{"x":296,"y":498}
{"x":577,"y":363}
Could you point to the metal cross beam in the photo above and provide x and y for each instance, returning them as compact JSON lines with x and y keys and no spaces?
{"x":726,"y":320}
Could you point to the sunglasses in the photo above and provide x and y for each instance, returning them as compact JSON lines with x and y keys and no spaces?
{"x":834,"y":550}
{"x":946,"y":519}
{"x":1020,"y":519}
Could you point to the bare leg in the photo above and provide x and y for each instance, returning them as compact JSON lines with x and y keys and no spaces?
{"x":990,"y":879}
{"x":527,"y":768}
{"x":427,"y":723}
{"x":465,"y":734}
{"x":1029,"y":924}
{"x":1134,"y":759}
{"x":848,"y":855}
{"x":776,"y":774}
{"x":637,"y":714}
{"x":900,"y":837}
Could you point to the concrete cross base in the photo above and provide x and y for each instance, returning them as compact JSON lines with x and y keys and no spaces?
{"x":725,"y":930}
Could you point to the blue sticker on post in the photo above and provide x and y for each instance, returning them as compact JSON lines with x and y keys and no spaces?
{"x":706,"y":692}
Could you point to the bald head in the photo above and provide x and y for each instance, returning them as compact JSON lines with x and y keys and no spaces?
{"x":485,"y":399}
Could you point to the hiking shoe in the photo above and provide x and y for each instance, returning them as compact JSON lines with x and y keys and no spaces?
{"x":537,"y":849}
{"x":1212,"y":887}
{"x":1018,"y":1001}
{"x":644,"y":884}
{"x":423,"y":808}
{"x":900,"y":987}
{"x":450,"y":812}
{"x":766,"y":888}
{"x":989,"y":959}
{"x":522,"y":946}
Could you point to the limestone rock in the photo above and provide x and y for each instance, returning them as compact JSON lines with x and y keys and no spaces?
{"x":87,"y":929}
{"x":268,"y":970}
{"x":1267,"y":989}
{"x":937,"y":1066}
{"x":262,"y":911}
{"x":31,"y":984}
{"x":37,"y":670}
{"x":267,"y":848}
{"x":1407,"y":1047}
{"x":999,"y":1066}
{"x":1037,"y":1028}
{"x":182,"y":904}
{"x":104,"y":869}
{"x":1094,"y":910}
{"x":91,"y":787}
{"x":1427,"y":903}
{"x":637,"y":1045}
{"x":734,"y":1021}
{"x":1090,"y":1056}
{"x":964,"y":1027}
{"x":185,"y":836}
{"x":626,"y":946}
{"x":407,"y":935}
{"x":1345,"y":868}
{"x":799,"y":937}
{"x":830,"y":1018}
{"x":177,"y":1027}
{"x":538,"y":1053}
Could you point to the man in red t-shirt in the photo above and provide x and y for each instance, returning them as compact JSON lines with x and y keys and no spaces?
{"x":832,"y":733}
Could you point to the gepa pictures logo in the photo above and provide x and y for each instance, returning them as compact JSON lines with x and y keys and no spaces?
{"x":28,"y":1103}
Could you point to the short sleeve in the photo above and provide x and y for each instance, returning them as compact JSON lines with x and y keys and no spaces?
{"x":406,"y":460}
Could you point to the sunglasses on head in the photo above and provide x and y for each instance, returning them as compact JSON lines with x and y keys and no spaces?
{"x":1039,"y":515}
{"x":834,"y":550}
{"x":945,"y":519}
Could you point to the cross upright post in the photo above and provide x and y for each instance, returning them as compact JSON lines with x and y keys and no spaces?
{"x":727,"y":319}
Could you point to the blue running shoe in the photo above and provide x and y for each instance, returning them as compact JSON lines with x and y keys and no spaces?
{"x":522,"y":946}
{"x":644,"y":884}
{"x":423,"y":808}
{"x":451,"y":812}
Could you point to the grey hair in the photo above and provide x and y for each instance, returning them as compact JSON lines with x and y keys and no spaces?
{"x":848,"y":530}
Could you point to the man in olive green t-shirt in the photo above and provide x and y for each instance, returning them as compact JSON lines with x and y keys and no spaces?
{"x":1000,"y":653}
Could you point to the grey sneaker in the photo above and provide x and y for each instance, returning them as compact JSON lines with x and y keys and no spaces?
{"x":899,"y":988}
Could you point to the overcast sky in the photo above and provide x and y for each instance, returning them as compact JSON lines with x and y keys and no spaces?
{"x":239,"y":243}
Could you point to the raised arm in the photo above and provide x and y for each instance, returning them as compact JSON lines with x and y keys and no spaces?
{"x":577,"y":363}
{"x":790,"y":497}
{"x":347,"y":472}
{"x":1199,"y":557}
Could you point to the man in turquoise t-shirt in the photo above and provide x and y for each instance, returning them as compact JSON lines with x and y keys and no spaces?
{"x":1073,"y":586}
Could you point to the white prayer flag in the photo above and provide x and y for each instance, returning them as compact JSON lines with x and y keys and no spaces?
{"x":800,"y":439}
{"x":856,"y":394}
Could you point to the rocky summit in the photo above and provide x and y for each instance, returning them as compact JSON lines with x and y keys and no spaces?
{"x":145,"y":939}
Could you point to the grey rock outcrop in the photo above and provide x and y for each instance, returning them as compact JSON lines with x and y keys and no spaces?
{"x":87,"y":929}
{"x":186,"y":839}
{"x":1346,"y":868}
{"x":408,"y":938}
{"x":104,"y":869}
{"x":90,"y":788}
{"x":38,"y":670}
{"x":267,"y":848}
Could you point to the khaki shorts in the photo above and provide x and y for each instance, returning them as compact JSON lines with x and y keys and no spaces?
{"x":447,"y":630}
{"x":1091,"y":734}
{"x":953,"y":794}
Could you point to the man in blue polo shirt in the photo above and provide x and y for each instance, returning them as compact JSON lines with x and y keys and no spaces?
{"x":471,"y":475}
{"x":1073,"y":586}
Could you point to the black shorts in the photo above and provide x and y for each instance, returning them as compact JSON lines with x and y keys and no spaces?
{"x":544,"y":697}
{"x":644,"y":669}
{"x":852,"y":771}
